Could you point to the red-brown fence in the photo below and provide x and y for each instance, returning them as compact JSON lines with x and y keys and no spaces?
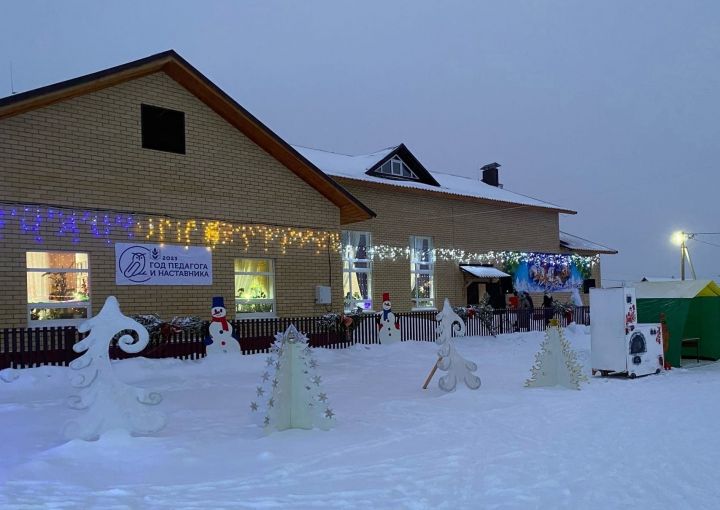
{"x":30,"y":347}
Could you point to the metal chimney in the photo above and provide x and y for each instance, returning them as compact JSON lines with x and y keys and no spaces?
{"x":490,"y":174}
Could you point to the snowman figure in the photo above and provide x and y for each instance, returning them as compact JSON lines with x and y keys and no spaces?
{"x":221,"y":339}
{"x":388,"y":324}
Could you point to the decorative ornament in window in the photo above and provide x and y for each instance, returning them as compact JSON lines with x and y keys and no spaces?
{"x":357,"y":271}
{"x":422,"y":266}
{"x":254,"y":288}
{"x":58,"y":288}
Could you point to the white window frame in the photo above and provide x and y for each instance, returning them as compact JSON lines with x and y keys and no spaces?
{"x":397,"y":162}
{"x":58,"y":304}
{"x":415,"y":270}
{"x":348,"y":265}
{"x":271,"y":301}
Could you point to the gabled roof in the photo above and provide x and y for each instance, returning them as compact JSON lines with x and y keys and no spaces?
{"x":575,"y":243}
{"x":169,"y":62}
{"x":358,"y":168}
{"x":410,"y":160}
{"x":679,"y":289}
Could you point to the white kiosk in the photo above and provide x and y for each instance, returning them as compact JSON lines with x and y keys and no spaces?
{"x":618,"y":344}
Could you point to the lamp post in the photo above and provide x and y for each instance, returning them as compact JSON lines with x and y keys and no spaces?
{"x":680,"y":238}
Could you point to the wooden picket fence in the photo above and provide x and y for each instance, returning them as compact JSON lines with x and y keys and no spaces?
{"x":29,"y":347}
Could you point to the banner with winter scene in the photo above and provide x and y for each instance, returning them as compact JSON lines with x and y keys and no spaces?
{"x":162,"y":264}
{"x":541,"y":272}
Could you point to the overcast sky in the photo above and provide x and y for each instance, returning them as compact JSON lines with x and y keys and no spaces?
{"x":610,"y":108}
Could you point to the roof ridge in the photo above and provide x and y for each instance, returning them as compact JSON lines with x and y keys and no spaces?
{"x":392,"y":147}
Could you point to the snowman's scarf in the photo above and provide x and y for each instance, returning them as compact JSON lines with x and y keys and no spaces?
{"x":385,"y":314}
{"x":223,"y":321}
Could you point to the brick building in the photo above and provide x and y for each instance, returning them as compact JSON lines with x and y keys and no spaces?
{"x":440,"y":235}
{"x":147,"y":182}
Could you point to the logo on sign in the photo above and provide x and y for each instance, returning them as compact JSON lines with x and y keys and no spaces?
{"x":133,"y":263}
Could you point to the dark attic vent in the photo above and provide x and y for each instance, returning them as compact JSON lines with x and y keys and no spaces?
{"x":162,"y":129}
{"x":490,"y":174}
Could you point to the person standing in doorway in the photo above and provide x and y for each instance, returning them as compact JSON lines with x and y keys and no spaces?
{"x":548,"y":306}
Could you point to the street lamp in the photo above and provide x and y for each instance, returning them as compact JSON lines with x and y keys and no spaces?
{"x":680,"y":238}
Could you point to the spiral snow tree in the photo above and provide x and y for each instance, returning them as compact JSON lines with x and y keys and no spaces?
{"x":107,"y":402}
{"x":450,"y":361}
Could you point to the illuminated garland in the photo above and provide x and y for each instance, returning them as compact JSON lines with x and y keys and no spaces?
{"x":68,"y":223}
{"x":223,"y":233}
{"x":37,"y":220}
{"x":507,"y":260}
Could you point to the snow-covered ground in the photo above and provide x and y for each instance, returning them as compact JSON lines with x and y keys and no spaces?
{"x":646,"y":443}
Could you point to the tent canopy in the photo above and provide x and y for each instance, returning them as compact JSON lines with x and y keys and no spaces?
{"x":678,"y":289}
{"x":692,"y":310}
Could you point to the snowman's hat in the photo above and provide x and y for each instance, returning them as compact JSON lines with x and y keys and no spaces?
{"x":386,"y":296}
{"x":218,"y":302}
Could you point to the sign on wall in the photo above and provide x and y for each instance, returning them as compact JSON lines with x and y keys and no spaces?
{"x":162,"y":264}
{"x":546,"y":272}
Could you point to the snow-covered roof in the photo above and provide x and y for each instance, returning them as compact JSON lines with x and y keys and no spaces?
{"x":355,"y":167}
{"x":483,"y":271}
{"x":683,"y":289}
{"x":573,"y":242}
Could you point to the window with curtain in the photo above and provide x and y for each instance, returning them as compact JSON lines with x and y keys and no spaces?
{"x":254,"y":288}
{"x":357,"y":271}
{"x":58,"y":288}
{"x":422,"y":265}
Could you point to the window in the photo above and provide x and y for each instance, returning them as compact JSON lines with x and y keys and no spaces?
{"x":254,"y":288}
{"x":58,"y":288}
{"x":396,"y":167}
{"x":162,"y":129}
{"x":357,"y":271}
{"x":422,"y":265}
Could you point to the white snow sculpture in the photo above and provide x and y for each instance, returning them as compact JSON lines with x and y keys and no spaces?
{"x":109,"y":403}
{"x":457,"y":367}
{"x":556,"y":363}
{"x":295,"y":398}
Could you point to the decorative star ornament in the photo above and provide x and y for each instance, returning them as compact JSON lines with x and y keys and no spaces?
{"x":329,"y":413}
{"x":260,"y":392}
{"x":253,"y":406}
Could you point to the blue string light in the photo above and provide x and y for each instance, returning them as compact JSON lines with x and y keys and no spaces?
{"x":34,"y":220}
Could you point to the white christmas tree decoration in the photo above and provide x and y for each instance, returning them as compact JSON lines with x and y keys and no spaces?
{"x":457,"y":367}
{"x":556,"y":363}
{"x":109,"y":403}
{"x":295,"y":398}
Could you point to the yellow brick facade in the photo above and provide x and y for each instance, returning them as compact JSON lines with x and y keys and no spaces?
{"x":453,"y":223}
{"x":85,"y":153}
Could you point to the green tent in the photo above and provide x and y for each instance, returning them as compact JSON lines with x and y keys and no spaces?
{"x":692,"y":310}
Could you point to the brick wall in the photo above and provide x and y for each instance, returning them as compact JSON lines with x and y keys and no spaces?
{"x":86,"y":153}
{"x":453,"y":223}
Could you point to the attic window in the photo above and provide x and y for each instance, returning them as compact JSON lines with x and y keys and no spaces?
{"x":162,"y":129}
{"x":396,"y":167}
